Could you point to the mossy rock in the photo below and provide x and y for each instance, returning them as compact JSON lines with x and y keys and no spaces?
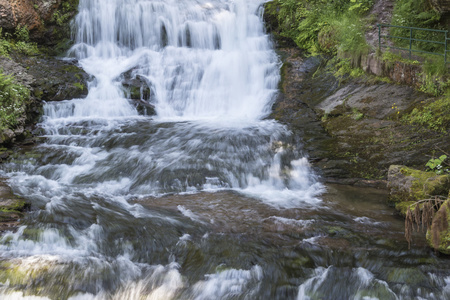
{"x":438,"y":237}
{"x":407,"y":184}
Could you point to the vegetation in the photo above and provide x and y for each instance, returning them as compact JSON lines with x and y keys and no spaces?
{"x":434,"y":115}
{"x":438,"y":164}
{"x":420,"y":14}
{"x":13,"y":100}
{"x":320,"y":26}
{"x":65,"y":13}
{"x":18,"y":42}
{"x":419,"y":217}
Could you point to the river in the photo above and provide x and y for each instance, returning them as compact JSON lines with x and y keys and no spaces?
{"x":207,"y":199}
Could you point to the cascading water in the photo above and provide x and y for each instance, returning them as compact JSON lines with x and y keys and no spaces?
{"x":200,"y":59}
{"x":205,"y":200}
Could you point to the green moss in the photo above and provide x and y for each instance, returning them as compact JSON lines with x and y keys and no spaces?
{"x":79,"y":85}
{"x":426,"y":184}
{"x":357,"y":115}
{"x":17,"y":205}
{"x":434,"y":114}
{"x":135,"y":92}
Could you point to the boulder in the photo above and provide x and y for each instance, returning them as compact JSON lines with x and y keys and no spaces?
{"x":407,"y":186}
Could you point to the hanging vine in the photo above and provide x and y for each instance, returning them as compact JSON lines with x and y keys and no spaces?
{"x":422,"y":217}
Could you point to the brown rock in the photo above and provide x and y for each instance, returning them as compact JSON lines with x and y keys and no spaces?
{"x":46,"y":8}
{"x":19,"y":12}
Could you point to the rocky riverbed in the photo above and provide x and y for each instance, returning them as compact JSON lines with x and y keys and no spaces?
{"x":351,"y":129}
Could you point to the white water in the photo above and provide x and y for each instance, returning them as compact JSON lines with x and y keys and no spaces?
{"x":213,"y":76}
{"x":206,"y":62}
{"x":201,"y":59}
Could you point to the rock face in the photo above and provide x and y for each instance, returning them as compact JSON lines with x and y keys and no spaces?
{"x":19,"y":12}
{"x":351,"y":129}
{"x":48,"y":21}
{"x":32,"y":14}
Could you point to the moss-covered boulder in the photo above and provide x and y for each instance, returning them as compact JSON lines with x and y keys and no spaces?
{"x":408,"y":186}
{"x":438,"y":236}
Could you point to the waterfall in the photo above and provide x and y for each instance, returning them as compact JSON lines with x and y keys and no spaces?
{"x":199,"y":59}
{"x":212,"y":76}
{"x":206,"y":200}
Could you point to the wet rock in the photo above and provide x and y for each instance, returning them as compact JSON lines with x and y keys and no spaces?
{"x":48,"y":79}
{"x":57,"y":79}
{"x":11,"y":208}
{"x":137,"y":89}
{"x":378,"y":101}
{"x":410,"y":276}
{"x":352,"y":130}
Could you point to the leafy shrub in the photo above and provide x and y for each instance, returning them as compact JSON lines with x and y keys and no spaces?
{"x":13,"y":99}
{"x":323,"y":26}
{"x":417,"y":13}
{"x":20,"y":43}
{"x":5,"y":46}
{"x":437,"y":165}
{"x":22,"y":34}
{"x":435,"y":115}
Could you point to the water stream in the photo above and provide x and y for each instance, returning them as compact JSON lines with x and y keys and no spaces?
{"x":205,"y":200}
